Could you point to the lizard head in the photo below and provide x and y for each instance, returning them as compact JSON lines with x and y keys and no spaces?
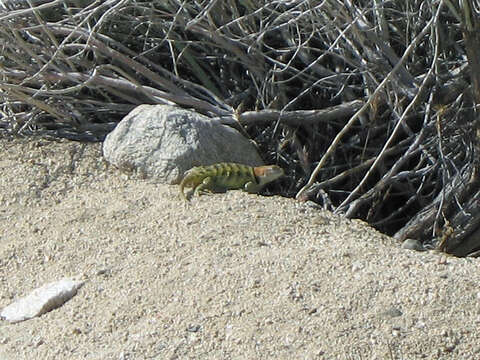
{"x":268,"y":173}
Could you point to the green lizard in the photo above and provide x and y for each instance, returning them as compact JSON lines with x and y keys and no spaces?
{"x":229,"y":176}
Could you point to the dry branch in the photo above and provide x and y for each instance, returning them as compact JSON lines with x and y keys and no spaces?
{"x":300,"y":117}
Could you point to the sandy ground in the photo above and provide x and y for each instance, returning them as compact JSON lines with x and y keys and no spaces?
{"x":228,"y":276}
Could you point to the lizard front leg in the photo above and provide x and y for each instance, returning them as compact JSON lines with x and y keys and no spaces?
{"x":206,"y":184}
{"x":251,"y":187}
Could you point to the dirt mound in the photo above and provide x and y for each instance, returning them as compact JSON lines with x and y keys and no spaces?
{"x":226,"y":276}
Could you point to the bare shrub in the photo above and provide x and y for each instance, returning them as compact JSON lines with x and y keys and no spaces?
{"x":368,"y":103}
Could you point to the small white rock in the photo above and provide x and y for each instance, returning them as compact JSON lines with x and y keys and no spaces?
{"x":41,"y":300}
{"x":412,"y":244}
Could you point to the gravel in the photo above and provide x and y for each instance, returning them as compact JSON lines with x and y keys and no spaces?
{"x":226,"y":276}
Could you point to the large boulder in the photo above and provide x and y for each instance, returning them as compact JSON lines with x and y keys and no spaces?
{"x":164,"y":141}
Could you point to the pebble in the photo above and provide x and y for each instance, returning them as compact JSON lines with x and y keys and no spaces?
{"x":412,"y":244}
{"x":41,"y":300}
{"x":391,"y":313}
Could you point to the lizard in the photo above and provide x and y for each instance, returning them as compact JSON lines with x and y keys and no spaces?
{"x":229,"y":176}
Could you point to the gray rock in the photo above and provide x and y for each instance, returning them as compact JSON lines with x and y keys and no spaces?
{"x":412,"y":244}
{"x":41,"y":300}
{"x":163,"y":141}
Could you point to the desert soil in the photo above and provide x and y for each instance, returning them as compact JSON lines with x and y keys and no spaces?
{"x":227,"y":276}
